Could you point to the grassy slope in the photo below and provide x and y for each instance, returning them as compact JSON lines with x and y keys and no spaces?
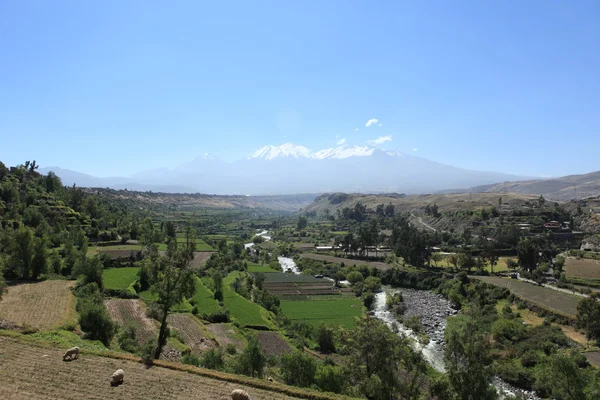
{"x":242,"y":309}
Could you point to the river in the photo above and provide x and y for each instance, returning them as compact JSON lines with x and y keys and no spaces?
{"x":263,"y":234}
{"x":434,"y":309}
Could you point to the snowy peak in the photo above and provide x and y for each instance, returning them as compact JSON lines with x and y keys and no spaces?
{"x":285,"y":150}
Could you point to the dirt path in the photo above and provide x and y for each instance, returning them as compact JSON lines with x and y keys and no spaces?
{"x":423,"y":223}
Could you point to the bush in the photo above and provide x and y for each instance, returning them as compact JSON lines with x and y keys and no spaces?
{"x":330,"y":378}
{"x":521,"y":305}
{"x":231,"y":349}
{"x":190,"y":359}
{"x":298,"y":369}
{"x":213,"y":359}
{"x":154,"y":311}
{"x":147,"y":351}
{"x":127,"y":340}
{"x":252,"y":360}
{"x":217,"y":317}
{"x":508,"y":330}
{"x":175,"y":334}
{"x":368,"y":299}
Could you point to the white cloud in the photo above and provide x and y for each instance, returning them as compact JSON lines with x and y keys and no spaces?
{"x":380,"y":125}
{"x":415,"y":149}
{"x":372,"y":121}
{"x":356,"y":129}
{"x":341,"y":141}
{"x":380,"y":140}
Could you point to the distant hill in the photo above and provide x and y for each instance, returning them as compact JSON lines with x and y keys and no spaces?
{"x":559,"y":189}
{"x":417,"y":203}
{"x":290,"y":203}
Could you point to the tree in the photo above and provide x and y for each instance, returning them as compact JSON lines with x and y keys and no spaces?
{"x":453,"y":259}
{"x":466,"y":261}
{"x":564,"y":378}
{"x":372,"y":284}
{"x":528,"y":253}
{"x":467,"y":360}
{"x":381,"y":363}
{"x":325,"y":339}
{"x":302,"y":222}
{"x":298,"y":369}
{"x":171,"y":279}
{"x":252,"y":360}
{"x":588,"y":316}
{"x":436,"y":258}
{"x":21,"y":253}
{"x":354,"y":277}
{"x":490,"y":256}
{"x":512,"y":264}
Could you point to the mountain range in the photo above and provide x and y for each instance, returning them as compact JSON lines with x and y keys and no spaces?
{"x":289,"y":169}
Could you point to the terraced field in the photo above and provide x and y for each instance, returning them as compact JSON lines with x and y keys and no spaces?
{"x":132,"y":312}
{"x":331,"y":311}
{"x":119,"y":278}
{"x":192,"y":331}
{"x":36,"y":373}
{"x":273,"y":344}
{"x":587,"y":269}
{"x":42,"y":305}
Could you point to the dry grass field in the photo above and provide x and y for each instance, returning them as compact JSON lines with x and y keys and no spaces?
{"x":42,"y":305}
{"x":587,"y":269}
{"x":563,"y":303}
{"x":225,"y":334}
{"x":200,"y":258}
{"x":36,"y":373}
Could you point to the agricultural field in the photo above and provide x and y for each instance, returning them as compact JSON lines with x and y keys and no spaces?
{"x":582,"y":268}
{"x":500,"y":267}
{"x":132,"y":312}
{"x":284,"y":284}
{"x":42,"y":305}
{"x":562,"y":303}
{"x":226,"y":333}
{"x":200,"y":258}
{"x":244,"y":311}
{"x":119,"y":278}
{"x":203,"y":299}
{"x":193,"y":333}
{"x":347,"y":261}
{"x":342,"y":311}
{"x":273,"y":344}
{"x":257,"y":268}
{"x":37,"y":373}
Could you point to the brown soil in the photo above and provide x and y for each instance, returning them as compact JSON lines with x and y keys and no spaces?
{"x":132,"y":312}
{"x":225,"y":334}
{"x":191,"y":331}
{"x":200,"y":258}
{"x":347,"y":261}
{"x":575,"y":268}
{"x":273,"y":344}
{"x":42,"y":305}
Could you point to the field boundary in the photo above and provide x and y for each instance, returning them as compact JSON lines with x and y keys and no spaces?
{"x":217,"y":375}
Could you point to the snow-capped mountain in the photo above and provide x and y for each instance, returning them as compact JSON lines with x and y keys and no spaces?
{"x":271,"y":152}
{"x":291,"y":168}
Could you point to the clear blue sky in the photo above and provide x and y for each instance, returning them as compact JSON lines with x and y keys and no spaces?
{"x":115,"y":87}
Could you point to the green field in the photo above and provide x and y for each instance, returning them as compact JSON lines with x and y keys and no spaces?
{"x":242,"y":309}
{"x":200,"y":245}
{"x":204,"y":300}
{"x":257,"y":268}
{"x":331,"y":312}
{"x":119,"y":278}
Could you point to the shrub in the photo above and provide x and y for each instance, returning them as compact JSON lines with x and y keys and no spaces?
{"x":217,"y":317}
{"x":127,"y":339}
{"x":154,"y":311}
{"x":508,"y":330}
{"x":298,"y":369}
{"x":190,"y":359}
{"x":147,"y":351}
{"x":252,"y":360}
{"x":175,"y":334}
{"x":231,"y":349}
{"x":213,"y":359}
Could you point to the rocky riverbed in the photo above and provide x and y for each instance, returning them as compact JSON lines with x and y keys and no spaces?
{"x":434,"y":309}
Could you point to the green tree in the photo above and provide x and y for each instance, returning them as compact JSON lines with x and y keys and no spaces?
{"x":21,"y":253}
{"x":528,"y":253}
{"x":467,"y":359}
{"x":252,"y":360}
{"x":453,"y":260}
{"x":171,"y":279}
{"x":381,"y":363}
{"x":325,"y":339}
{"x":39,"y":262}
{"x":466,"y":261}
{"x":588,"y":316}
{"x":298,"y":369}
{"x":330,"y":378}
{"x":436,"y":258}
{"x":564,"y":378}
{"x":354,"y":277}
{"x":302,"y":222}
{"x":490,"y":256}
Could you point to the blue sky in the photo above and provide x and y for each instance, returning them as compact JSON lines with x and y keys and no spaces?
{"x":115,"y":87}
